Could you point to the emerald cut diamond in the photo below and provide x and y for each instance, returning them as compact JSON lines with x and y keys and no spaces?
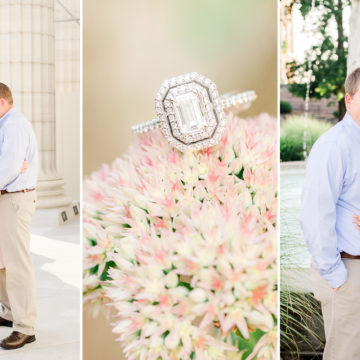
{"x":188,"y":112}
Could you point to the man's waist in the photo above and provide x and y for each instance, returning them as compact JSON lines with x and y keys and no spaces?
{"x":3,"y":192}
{"x":344,"y":208}
{"x":348,"y":234}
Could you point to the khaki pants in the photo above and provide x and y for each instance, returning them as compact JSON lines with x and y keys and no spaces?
{"x":341,"y":313}
{"x":17,"y":284}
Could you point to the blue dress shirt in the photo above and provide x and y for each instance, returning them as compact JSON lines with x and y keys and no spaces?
{"x":331,"y":198}
{"x":17,"y":143}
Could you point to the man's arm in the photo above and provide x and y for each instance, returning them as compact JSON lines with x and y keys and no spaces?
{"x":13,"y":152}
{"x":322,"y":189}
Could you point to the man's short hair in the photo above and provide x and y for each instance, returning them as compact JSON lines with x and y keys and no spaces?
{"x":352,"y":82}
{"x":5,"y":93}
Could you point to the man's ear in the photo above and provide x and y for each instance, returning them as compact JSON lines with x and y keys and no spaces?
{"x":347,"y":99}
{"x":2,"y":101}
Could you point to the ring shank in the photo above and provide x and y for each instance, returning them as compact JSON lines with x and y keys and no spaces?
{"x":234,"y":102}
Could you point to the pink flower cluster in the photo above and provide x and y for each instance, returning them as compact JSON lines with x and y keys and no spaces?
{"x":182,"y":246}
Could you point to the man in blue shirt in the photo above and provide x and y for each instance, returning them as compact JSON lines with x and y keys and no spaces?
{"x":330,"y":201}
{"x":17,"y":205}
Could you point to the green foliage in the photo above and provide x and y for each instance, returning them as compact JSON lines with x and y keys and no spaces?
{"x":328,"y":71}
{"x":292,"y":135}
{"x":104,"y":275}
{"x":328,"y":64}
{"x":92,"y":242}
{"x":246,"y":345}
{"x":285,"y":107}
{"x":94,"y":270}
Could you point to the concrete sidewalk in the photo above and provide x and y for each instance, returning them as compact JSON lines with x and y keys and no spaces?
{"x":56,"y":255}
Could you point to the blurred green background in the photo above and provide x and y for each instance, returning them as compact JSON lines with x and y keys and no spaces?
{"x":292,"y":136}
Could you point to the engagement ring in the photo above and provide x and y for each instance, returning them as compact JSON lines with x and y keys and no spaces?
{"x":190,"y":111}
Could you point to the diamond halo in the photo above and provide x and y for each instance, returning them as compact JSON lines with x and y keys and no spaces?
{"x":190,"y":111}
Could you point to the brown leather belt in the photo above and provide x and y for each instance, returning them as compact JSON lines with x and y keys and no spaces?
{"x":345,"y":255}
{"x":3,"y":192}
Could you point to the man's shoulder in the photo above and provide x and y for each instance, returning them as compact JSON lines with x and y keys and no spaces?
{"x":333,"y":145}
{"x":15,"y":122}
{"x":335,"y":138}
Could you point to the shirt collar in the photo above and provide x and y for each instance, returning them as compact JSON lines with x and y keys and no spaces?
{"x":352,"y":123}
{"x":11,"y":111}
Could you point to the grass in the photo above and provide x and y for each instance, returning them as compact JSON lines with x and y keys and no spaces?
{"x":300,"y":318}
{"x":292,"y":136}
{"x":301,"y":323}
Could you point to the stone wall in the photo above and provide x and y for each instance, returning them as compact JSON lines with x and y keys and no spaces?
{"x":319,"y":108}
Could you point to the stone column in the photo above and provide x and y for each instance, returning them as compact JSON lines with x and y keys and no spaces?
{"x":67,"y":75}
{"x":354,"y":37}
{"x":27,"y":66}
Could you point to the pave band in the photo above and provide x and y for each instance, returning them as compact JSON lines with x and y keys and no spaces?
{"x":190,"y":111}
{"x":241,"y":101}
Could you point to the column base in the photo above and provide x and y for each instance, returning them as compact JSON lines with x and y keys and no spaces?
{"x":51,"y":194}
{"x":55,"y":217}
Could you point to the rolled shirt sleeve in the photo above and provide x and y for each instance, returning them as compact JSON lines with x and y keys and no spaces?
{"x":323,"y":186}
{"x":12,"y":153}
